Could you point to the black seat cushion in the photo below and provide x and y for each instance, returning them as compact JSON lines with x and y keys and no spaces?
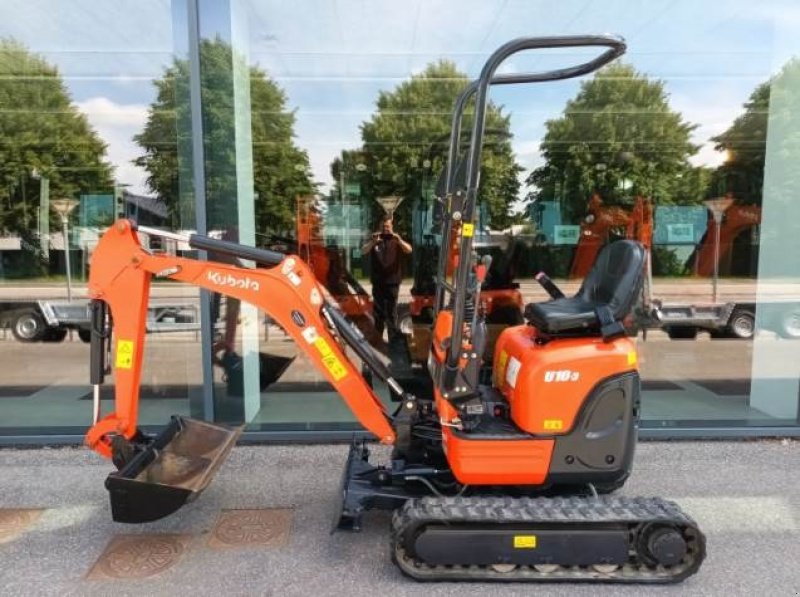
{"x":614,"y":281}
{"x":561,"y":314}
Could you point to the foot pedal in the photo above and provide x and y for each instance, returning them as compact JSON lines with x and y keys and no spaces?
{"x":171,"y":471}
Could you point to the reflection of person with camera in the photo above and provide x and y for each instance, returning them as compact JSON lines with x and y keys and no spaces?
{"x":384,"y":249}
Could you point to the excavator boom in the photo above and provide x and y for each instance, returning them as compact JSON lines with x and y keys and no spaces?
{"x":178,"y":463}
{"x":120,"y":276}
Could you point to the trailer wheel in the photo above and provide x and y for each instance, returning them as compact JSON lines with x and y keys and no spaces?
{"x":85,"y":335}
{"x":28,"y":327}
{"x":742,"y":324}
{"x":54,"y":335}
{"x":681,"y":332}
{"x":789,"y":326}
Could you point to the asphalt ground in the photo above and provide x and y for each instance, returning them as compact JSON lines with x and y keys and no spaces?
{"x":745,"y":496}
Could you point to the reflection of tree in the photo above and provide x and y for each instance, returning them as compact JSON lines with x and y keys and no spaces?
{"x":665,"y":262}
{"x":745,"y":141}
{"x":618,"y":137}
{"x":768,"y":132}
{"x":397,"y":154}
{"x":42,"y":133}
{"x":783,"y":179}
{"x":280,"y":169}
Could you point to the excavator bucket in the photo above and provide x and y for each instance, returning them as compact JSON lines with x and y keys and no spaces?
{"x":172,"y":471}
{"x":272,"y":367}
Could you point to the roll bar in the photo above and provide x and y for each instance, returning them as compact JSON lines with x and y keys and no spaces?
{"x":465,"y":206}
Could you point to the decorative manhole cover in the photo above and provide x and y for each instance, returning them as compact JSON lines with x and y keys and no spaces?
{"x":268,"y":527}
{"x":15,"y":520}
{"x":138,"y":556}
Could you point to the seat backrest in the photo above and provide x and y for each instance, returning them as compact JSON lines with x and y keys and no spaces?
{"x":616,"y":277}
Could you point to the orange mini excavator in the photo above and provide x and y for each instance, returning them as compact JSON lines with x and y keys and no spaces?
{"x":474,"y":466}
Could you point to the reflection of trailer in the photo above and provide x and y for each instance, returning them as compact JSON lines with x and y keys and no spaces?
{"x":44,"y":320}
{"x":50,"y":320}
{"x":172,"y":317}
{"x":682,"y":321}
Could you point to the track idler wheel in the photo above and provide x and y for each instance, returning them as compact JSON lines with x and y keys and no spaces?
{"x":662,"y":545}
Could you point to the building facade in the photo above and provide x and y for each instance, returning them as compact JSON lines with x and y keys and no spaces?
{"x":297,"y":126}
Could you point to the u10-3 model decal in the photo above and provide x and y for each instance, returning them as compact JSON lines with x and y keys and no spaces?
{"x":561,"y":375}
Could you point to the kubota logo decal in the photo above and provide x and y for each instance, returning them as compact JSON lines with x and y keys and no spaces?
{"x":561,"y":375}
{"x":233,"y":281}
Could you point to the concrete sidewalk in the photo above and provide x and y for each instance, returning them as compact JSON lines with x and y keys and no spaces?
{"x":745,"y":495}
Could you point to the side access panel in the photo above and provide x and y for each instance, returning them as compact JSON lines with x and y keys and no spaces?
{"x":600,"y":447}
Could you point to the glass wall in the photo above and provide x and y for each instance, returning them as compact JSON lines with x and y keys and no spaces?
{"x":91,"y":128}
{"x":303,"y":124}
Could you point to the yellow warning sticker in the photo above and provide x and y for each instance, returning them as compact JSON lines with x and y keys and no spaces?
{"x":330,"y":360}
{"x":524,"y":541}
{"x":553,"y":424}
{"x":632,"y":357}
{"x":334,"y":365}
{"x":322,"y":346}
{"x":124,"y":354}
{"x":467,"y":229}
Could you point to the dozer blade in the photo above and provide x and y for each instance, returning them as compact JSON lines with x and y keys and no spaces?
{"x":172,"y":471}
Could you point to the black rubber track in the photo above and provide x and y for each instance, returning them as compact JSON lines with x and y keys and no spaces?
{"x":574,"y":512}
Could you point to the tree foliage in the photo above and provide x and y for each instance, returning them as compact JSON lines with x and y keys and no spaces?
{"x":405,"y":145}
{"x":618,"y":137}
{"x":745,"y":144}
{"x":280,"y":168}
{"x":42,"y":131}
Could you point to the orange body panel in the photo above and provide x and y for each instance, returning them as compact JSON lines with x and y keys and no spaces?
{"x":120,"y":275}
{"x":487,"y":462}
{"x":546,"y":384}
{"x":493,"y":462}
{"x":498,"y":462}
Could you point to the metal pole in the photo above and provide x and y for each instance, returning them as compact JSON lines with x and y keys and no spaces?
{"x":64,"y":223}
{"x":44,"y":216}
{"x":717,"y":225}
{"x":341,"y":181}
{"x":95,"y":403}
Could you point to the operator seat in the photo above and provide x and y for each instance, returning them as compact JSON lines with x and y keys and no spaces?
{"x":606,"y":296}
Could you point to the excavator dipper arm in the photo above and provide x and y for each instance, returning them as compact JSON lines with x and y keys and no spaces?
{"x":121,"y":272}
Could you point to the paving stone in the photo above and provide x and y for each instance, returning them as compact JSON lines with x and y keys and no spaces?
{"x":266,"y":527}
{"x":138,"y":556}
{"x":14,"y":521}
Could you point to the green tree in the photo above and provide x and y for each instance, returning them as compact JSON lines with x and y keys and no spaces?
{"x":42,"y":131}
{"x":618,"y":137}
{"x":745,"y":145}
{"x":280,"y":168}
{"x":405,"y":145}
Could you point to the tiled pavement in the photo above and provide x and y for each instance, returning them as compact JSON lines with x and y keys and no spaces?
{"x":263,"y":527}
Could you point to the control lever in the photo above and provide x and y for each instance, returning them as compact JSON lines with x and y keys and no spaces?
{"x":478,"y":326}
{"x":550,"y":286}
